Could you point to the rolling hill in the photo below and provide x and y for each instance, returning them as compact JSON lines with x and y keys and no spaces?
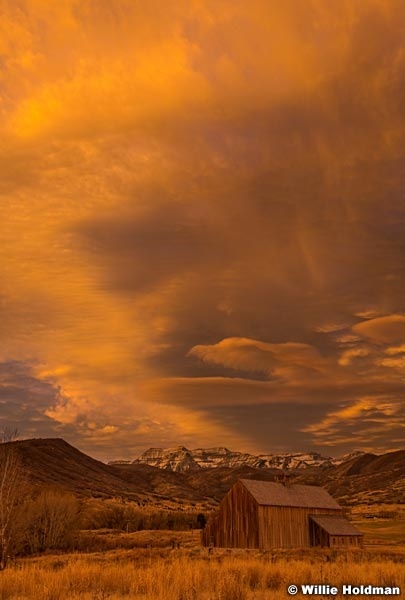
{"x":54,"y":463}
{"x":367,"y":479}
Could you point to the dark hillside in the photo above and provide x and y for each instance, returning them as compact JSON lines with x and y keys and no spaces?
{"x":366,"y":479}
{"x":55,"y":463}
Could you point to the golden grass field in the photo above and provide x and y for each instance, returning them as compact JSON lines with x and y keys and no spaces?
{"x":149,"y":568}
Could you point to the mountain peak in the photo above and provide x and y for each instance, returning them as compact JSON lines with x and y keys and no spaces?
{"x":180,"y":458}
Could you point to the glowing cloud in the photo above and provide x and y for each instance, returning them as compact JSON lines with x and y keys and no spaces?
{"x":199,"y":220}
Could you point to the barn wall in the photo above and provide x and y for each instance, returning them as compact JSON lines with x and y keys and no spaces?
{"x":317,"y":535}
{"x":345,"y":541}
{"x":236,"y":525}
{"x":287,"y":527}
{"x":320,"y":537}
{"x":242,"y":523}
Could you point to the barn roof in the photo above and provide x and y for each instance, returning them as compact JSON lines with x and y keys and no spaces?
{"x":335,"y":525}
{"x":270,"y":493}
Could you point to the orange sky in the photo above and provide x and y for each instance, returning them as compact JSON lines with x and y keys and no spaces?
{"x":202,"y":223}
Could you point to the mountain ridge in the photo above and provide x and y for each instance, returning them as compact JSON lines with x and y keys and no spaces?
{"x":54,"y":463}
{"x":181,"y":459}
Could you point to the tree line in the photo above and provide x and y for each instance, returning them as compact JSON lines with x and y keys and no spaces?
{"x":130,"y":518}
{"x":30,"y":521}
{"x":33,"y":520}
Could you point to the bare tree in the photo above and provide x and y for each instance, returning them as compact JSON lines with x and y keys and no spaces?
{"x":51,"y":520}
{"x":12,"y":494}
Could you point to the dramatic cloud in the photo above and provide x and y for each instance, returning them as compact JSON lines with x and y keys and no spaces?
{"x":24,"y":400}
{"x":389,"y":329}
{"x":365,"y":422}
{"x":288,"y":362}
{"x":202,"y":216}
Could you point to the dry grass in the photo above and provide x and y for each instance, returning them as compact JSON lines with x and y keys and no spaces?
{"x":382,"y":531}
{"x":106,"y":539}
{"x":190,"y":574}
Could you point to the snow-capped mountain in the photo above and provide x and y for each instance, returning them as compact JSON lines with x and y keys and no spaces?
{"x":182,"y":459}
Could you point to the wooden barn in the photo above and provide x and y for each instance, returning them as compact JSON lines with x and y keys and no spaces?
{"x":263,"y":514}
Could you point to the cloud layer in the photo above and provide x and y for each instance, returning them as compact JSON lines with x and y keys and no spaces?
{"x":202,"y":223}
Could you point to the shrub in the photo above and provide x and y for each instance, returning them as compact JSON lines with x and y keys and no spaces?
{"x":51,"y":520}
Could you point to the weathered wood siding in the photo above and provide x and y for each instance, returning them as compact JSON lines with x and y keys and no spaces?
{"x":345,"y":541}
{"x":242,"y":522}
{"x":286,"y":526}
{"x":236,"y":525}
{"x":320,"y":537}
{"x":317,"y":535}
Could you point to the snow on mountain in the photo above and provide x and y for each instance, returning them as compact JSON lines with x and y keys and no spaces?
{"x":171,"y":459}
{"x":182,"y":459}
